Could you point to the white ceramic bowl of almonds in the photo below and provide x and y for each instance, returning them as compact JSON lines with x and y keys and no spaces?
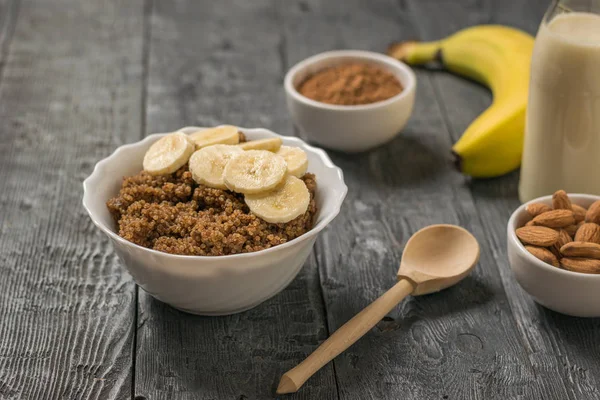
{"x":568,"y":292}
{"x":212,"y":285}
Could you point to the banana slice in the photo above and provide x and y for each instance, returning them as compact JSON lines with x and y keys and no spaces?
{"x":224,"y":134}
{"x":296,"y":160}
{"x":254,"y":171}
{"x":168,"y":154}
{"x":283,"y":204}
{"x":208,"y":163}
{"x":270,"y":144}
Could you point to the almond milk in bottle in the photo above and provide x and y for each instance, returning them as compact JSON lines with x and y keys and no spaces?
{"x":562,"y":134}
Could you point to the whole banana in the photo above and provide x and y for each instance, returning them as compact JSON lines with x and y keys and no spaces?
{"x":499,"y":58}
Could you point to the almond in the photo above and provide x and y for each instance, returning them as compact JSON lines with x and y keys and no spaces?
{"x":535,"y":209}
{"x":555,"y":219}
{"x":593,"y":213}
{"x":581,"y":249}
{"x":560,"y":201}
{"x":588,"y":232}
{"x":563,"y":239}
{"x":584,"y":265}
{"x":572,"y":229}
{"x":579,"y":212}
{"x":530,"y":223}
{"x":537,"y":235}
{"x":543,"y":254}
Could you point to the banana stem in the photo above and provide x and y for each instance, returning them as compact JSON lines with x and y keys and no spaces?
{"x":416,"y":53}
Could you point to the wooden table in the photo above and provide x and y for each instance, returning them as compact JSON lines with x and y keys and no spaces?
{"x":79,"y":78}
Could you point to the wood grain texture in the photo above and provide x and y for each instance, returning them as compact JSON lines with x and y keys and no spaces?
{"x":561,"y":349}
{"x":73,"y":87}
{"x":69,"y":95}
{"x":213,"y":63}
{"x":216,"y":63}
{"x":461,"y":343}
{"x":9,"y":10}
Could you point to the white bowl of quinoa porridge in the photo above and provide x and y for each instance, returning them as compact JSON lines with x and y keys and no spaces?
{"x":226,"y":261}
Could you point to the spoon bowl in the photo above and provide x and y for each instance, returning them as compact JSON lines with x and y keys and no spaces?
{"x":437,"y":257}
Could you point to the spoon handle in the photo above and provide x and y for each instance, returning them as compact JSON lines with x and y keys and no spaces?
{"x":344,"y":337}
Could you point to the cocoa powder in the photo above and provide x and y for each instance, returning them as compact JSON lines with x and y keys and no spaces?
{"x":350,"y":84}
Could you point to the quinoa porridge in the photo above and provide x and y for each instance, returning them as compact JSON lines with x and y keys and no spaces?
{"x":179,"y":213}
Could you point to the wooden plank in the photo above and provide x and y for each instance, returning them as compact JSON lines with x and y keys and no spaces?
{"x":461,"y":343}
{"x":8,"y":18}
{"x":70,"y":94}
{"x":216,"y":63}
{"x":213,"y":63}
{"x":562,"y":350}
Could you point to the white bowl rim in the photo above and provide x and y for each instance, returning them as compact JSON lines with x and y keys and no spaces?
{"x":534,"y":260}
{"x":366,"y":55}
{"x":314,"y":231}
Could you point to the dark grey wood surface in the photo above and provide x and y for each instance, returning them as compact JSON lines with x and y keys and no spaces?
{"x":79,"y":78}
{"x":70,"y":92}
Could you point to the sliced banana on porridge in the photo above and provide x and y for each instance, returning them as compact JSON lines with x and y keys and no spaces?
{"x":168,"y":154}
{"x":254,"y":171}
{"x":285,"y":203}
{"x":208,"y":163}
{"x":270,"y":144}
{"x":296,"y":160}
{"x":224,"y":134}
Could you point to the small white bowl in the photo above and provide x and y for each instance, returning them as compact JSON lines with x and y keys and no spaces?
{"x":350,"y":128}
{"x":211,"y":285}
{"x":566,"y":292}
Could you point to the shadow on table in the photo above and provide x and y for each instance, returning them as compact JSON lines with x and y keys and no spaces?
{"x":505,"y":186}
{"x":403,"y":161}
{"x":472,"y":292}
{"x":580,"y":336}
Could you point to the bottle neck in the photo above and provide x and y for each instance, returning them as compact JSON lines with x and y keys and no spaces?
{"x":568,"y":6}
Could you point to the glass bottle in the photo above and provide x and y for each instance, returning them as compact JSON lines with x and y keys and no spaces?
{"x":562,"y":133}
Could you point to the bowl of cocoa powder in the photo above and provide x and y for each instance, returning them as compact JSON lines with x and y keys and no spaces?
{"x":350,"y":100}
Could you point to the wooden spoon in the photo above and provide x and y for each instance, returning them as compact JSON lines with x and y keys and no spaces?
{"x":436,"y":257}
